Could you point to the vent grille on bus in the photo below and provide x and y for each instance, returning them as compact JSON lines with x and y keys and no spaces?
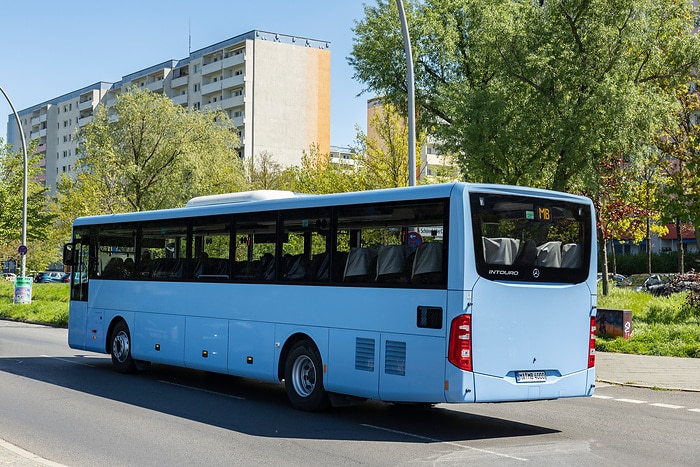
{"x":364,"y":354}
{"x":395,"y":358}
{"x":429,"y":317}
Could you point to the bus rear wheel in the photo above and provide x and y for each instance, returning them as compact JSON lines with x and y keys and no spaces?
{"x":121,"y":349}
{"x":303,"y":378}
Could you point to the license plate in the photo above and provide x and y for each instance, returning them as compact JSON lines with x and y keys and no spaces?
{"x":530,"y":376}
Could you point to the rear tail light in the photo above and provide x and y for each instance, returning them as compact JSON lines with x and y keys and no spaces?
{"x":460,"y":348}
{"x":591,"y":345}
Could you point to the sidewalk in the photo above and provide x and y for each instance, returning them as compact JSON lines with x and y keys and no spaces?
{"x":682,"y":374}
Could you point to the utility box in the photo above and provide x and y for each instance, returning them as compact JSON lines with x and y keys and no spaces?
{"x":613,"y":323}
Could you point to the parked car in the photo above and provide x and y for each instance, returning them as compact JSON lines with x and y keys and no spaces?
{"x":617,"y":280}
{"x":49,"y":276}
{"x":655,"y":284}
{"x":9,"y":276}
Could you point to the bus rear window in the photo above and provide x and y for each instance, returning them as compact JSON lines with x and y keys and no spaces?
{"x":531,"y":239}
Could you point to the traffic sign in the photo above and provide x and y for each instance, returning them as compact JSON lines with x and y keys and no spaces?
{"x":22,"y":250}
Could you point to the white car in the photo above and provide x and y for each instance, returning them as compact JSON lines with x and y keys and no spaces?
{"x":9,"y":276}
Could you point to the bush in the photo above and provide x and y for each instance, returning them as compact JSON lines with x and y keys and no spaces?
{"x":660,"y":262}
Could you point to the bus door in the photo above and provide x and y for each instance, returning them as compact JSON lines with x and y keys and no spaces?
{"x":77,"y":256}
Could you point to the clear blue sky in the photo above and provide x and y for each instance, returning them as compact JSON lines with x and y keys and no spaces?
{"x":50,"y":48}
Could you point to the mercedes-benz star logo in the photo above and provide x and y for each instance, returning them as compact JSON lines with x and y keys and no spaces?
{"x":535,"y":273}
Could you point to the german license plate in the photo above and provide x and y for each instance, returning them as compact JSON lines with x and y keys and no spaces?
{"x":530,"y":376}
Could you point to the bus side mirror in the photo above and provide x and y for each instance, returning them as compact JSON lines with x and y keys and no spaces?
{"x":68,"y":254}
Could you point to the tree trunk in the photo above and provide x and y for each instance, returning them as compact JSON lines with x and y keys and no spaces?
{"x":679,"y":235}
{"x":605,"y":266}
{"x":648,"y":245}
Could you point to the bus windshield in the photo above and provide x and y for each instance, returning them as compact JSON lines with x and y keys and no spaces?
{"x":530,"y":239}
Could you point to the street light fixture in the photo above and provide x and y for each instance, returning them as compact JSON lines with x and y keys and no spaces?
{"x":23,"y":261}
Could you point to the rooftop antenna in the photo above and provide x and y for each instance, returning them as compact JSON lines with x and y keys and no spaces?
{"x":189,"y":33}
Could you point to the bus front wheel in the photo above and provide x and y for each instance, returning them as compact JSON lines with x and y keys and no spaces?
{"x":121,"y":349}
{"x":303,"y":378}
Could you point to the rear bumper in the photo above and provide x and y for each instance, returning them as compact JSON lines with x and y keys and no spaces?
{"x":485,"y":388}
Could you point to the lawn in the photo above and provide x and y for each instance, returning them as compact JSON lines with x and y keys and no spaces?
{"x":49,"y":304}
{"x":660,"y":325}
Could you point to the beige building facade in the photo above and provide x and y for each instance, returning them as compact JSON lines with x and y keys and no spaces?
{"x":275,"y":88}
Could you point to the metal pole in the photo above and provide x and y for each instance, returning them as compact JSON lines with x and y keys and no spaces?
{"x":24,"y":188}
{"x":410,"y":83}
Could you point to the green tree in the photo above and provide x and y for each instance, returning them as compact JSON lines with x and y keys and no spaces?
{"x":318,"y":175}
{"x":39,"y":219}
{"x":265,"y":173}
{"x":146,"y":153}
{"x":534,"y":93}
{"x":679,"y":144}
{"x":383,"y":160}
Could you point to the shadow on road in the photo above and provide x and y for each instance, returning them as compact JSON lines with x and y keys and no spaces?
{"x":261,"y":409}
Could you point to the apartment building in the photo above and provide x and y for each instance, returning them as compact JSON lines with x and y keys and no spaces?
{"x":275,"y":88}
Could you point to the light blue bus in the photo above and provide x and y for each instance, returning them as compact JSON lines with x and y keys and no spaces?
{"x":441,"y":293}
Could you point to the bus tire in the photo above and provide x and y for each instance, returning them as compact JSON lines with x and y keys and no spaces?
{"x":120,"y":349}
{"x":303,"y":378}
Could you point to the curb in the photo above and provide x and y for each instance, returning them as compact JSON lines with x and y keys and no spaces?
{"x":647,"y":386}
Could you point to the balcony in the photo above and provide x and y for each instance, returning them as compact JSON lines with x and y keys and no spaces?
{"x":212,"y":107}
{"x":238,"y":121}
{"x":233,"y":81}
{"x":234,"y":60}
{"x":37,"y":134}
{"x":211,"y":68}
{"x":41,"y":148}
{"x":179,"y":82}
{"x":85,"y":105}
{"x":180,"y":99}
{"x":38,"y":120}
{"x":230,"y":102}
{"x":155,"y":85}
{"x":211,"y":88}
{"x":84,"y":120}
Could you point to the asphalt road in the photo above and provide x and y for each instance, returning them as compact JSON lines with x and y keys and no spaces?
{"x":59,"y":406}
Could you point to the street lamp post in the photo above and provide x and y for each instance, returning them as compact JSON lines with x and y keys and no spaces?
{"x":410,"y":84}
{"x":23,"y":261}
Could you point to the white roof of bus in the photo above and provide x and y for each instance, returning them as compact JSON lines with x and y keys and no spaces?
{"x":267,"y":200}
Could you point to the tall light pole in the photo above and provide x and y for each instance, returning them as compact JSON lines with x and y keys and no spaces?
{"x":24,"y":188}
{"x":410,"y":84}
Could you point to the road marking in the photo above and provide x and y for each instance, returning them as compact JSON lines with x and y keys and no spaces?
{"x":201,"y":390}
{"x":668,"y":406}
{"x":69,"y":361}
{"x":655,"y":404}
{"x":434,"y":440}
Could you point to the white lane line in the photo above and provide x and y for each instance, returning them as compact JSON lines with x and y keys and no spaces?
{"x":434,"y":440}
{"x":69,"y":361}
{"x":631,"y":401}
{"x":694,"y":410}
{"x":668,"y":406}
{"x":201,"y":390}
{"x":602,"y":397}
